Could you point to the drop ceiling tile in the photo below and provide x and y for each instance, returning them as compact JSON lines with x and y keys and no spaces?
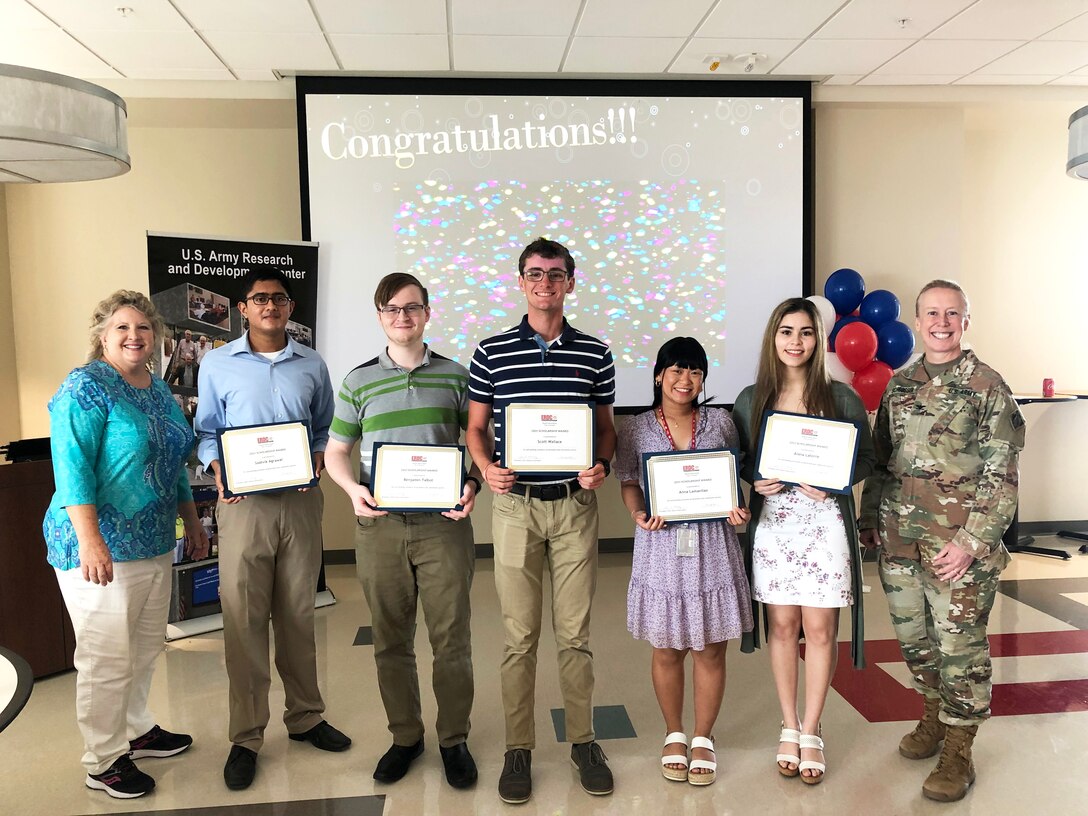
{"x":18,"y":14}
{"x":879,"y":19}
{"x":52,"y":50}
{"x":508,"y":54}
{"x":692,"y":60}
{"x":256,"y":74}
{"x":392,"y":52}
{"x":957,"y":57}
{"x":145,"y":15}
{"x":151,"y":54}
{"x":268,"y":50}
{"x":1005,"y":79}
{"x":621,"y":55}
{"x":624,"y":18}
{"x":503,"y":17}
{"x":910,"y":79}
{"x":382,"y":16}
{"x":787,"y":19}
{"x":817,"y":57}
{"x":1075,"y":30}
{"x":1009,"y":19}
{"x":1041,"y":58}
{"x":289,"y":16}
{"x":842,"y":79}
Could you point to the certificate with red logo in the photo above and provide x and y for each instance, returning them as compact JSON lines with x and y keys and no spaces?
{"x":547,"y":438}
{"x":410,"y":478}
{"x":262,"y":458}
{"x":698,"y":485}
{"x":814,"y":450}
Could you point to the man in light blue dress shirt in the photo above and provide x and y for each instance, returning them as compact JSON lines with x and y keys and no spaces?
{"x":269,"y":543}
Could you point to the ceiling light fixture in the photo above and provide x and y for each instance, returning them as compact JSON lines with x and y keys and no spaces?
{"x":749,"y":60}
{"x":57,"y":128}
{"x":1077,"y":164}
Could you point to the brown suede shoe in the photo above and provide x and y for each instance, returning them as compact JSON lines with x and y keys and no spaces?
{"x":955,"y":772}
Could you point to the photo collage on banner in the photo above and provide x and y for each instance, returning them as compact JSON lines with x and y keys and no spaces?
{"x":196,"y":283}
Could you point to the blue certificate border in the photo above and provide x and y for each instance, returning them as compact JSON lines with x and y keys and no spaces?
{"x":230,"y":494}
{"x":647,"y":457}
{"x":826,"y":488}
{"x":399,"y":509}
{"x":592,"y":436}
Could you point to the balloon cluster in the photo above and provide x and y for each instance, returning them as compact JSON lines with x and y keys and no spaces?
{"x":867,"y":341}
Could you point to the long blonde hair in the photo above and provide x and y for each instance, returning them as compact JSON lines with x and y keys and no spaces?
{"x":771,"y":374}
{"x":108,"y":307}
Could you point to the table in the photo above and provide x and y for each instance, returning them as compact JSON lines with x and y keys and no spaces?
{"x":1079,"y":394}
{"x":16,"y":683}
{"x":1014,"y":542}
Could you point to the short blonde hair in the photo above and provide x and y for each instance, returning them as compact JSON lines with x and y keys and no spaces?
{"x":108,"y":307}
{"x":943,"y":284}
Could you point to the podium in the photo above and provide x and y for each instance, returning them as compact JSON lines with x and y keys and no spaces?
{"x":33,"y":620}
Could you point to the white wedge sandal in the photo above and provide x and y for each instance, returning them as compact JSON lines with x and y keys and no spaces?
{"x":675,"y":774}
{"x":813,"y":742}
{"x":792,"y":736}
{"x":707,"y":766}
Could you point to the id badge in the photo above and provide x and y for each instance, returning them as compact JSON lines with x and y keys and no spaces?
{"x":687,"y":538}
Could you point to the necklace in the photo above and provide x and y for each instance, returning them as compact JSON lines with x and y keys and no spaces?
{"x":668,"y":433}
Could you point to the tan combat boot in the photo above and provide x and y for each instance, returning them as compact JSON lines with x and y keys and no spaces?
{"x":955,"y":771}
{"x":925,"y":740}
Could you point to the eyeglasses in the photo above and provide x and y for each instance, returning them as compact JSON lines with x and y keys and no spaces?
{"x":554,"y":275}
{"x":411,"y":310}
{"x":262,"y":298}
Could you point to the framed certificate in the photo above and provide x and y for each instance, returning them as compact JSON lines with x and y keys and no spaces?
{"x":408,"y":477}
{"x":262,"y":458}
{"x":698,"y":485}
{"x":548,"y":438}
{"x":817,"y":451}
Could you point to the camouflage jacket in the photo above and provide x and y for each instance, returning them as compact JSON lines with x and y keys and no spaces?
{"x":946,"y":461}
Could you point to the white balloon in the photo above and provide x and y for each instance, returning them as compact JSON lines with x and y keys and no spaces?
{"x":837,"y":370}
{"x":826,"y":310}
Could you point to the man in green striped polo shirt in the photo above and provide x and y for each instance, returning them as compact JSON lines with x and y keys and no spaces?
{"x":410,"y":394}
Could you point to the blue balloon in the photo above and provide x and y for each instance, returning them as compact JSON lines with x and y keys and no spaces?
{"x":842,"y":321}
{"x":894,"y":343}
{"x":879,"y":308}
{"x":845,"y":289}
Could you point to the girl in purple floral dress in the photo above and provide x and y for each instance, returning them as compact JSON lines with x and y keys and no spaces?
{"x":805,"y":563}
{"x":696,"y":601}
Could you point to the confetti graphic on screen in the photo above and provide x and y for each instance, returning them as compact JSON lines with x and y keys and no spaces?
{"x":650,"y":257}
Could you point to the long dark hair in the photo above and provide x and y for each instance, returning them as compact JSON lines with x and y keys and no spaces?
{"x":772,"y":372}
{"x":682,"y":352}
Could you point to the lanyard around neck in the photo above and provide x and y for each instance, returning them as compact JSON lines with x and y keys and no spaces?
{"x":668,"y":433}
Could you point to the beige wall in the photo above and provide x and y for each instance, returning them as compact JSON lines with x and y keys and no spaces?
{"x":906,"y":191}
{"x":9,"y":382}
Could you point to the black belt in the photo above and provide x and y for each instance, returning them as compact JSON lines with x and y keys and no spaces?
{"x":550,"y":492}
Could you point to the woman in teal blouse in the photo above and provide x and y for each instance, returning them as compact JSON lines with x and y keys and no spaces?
{"x":119,"y":447}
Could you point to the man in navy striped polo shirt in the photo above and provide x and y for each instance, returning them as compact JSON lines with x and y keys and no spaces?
{"x":408,"y":393}
{"x":538,"y":519}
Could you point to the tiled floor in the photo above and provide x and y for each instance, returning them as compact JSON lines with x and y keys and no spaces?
{"x":1030,"y":756}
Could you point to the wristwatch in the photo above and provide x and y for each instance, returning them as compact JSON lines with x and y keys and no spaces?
{"x":607,"y":465}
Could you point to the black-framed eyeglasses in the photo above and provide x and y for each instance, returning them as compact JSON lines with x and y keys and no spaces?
{"x":411,"y":310}
{"x":262,"y":299}
{"x":554,"y":275}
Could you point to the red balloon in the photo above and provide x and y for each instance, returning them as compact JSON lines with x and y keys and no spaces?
{"x":856,"y":345}
{"x":870,"y":383}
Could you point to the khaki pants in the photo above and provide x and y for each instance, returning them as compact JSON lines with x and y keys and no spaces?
{"x":269,"y":560}
{"x":404,"y":560}
{"x":563,"y":533}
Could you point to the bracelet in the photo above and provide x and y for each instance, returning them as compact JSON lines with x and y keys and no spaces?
{"x":475,"y":481}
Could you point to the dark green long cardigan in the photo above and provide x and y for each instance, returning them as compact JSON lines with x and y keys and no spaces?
{"x":848,"y":406}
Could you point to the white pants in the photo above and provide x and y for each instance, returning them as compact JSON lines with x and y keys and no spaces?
{"x":120,"y":629}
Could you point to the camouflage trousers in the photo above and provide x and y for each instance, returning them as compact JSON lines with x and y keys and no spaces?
{"x":942,"y":631}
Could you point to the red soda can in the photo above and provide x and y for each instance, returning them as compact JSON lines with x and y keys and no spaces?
{"x":1048,"y":387}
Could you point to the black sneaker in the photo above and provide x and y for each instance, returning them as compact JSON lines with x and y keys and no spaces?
{"x":122,"y":780}
{"x":516,"y":780}
{"x":158,"y":743}
{"x":592,"y":767}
